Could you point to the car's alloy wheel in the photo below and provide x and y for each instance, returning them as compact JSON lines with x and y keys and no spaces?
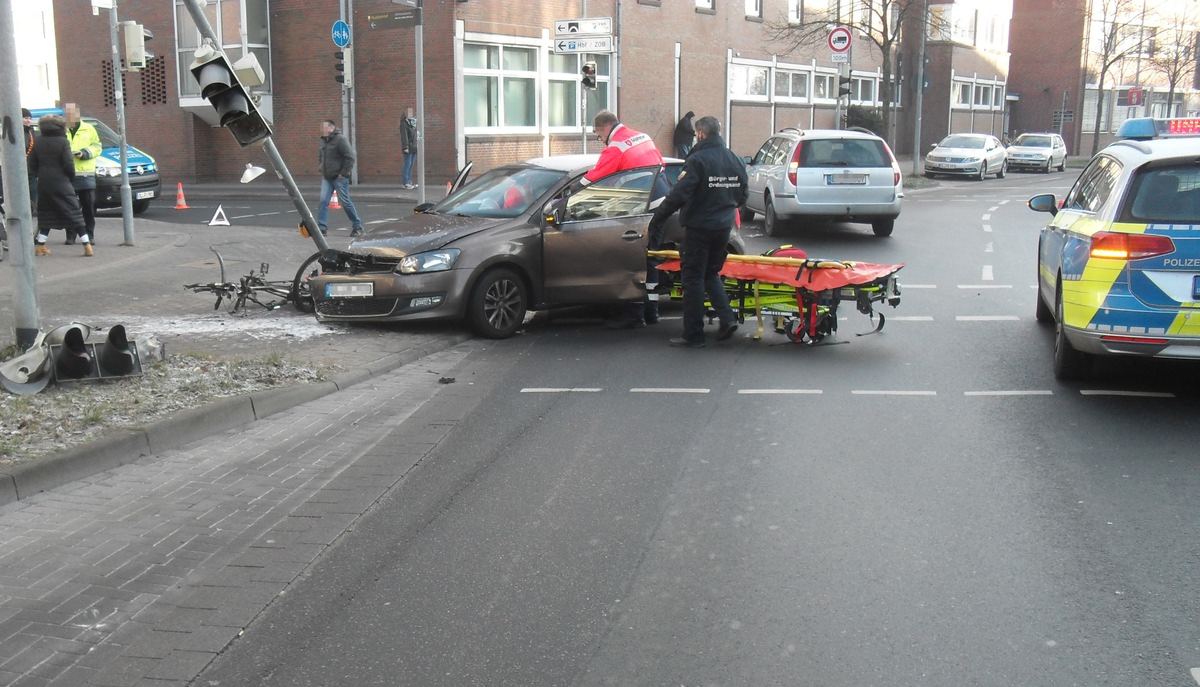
{"x":1003,"y":170}
{"x":1048,"y":165}
{"x":983,"y":171}
{"x":1069,"y":363}
{"x":498,"y":304}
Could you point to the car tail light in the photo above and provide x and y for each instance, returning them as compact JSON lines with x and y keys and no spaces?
{"x":794,"y":164}
{"x":1118,"y":246}
{"x":895,"y":166}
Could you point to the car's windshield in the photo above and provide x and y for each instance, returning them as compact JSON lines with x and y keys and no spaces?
{"x":503,"y":192}
{"x":1032,"y":141}
{"x":962,"y":142}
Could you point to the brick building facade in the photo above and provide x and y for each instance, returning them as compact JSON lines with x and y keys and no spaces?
{"x":494,"y":89}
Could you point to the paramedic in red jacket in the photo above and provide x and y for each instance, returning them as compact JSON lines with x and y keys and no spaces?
{"x":625,"y":149}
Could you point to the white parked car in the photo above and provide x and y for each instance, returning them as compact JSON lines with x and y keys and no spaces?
{"x":972,"y":155}
{"x":1039,"y":152}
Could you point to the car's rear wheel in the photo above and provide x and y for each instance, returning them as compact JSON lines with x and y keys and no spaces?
{"x":498,"y":304}
{"x":770,"y":219}
{"x":883,"y":227}
{"x":302,"y":296}
{"x":746,"y":213}
{"x":1069,"y":363}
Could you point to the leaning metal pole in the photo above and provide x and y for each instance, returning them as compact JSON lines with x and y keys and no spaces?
{"x":119,"y":97}
{"x":281,"y":170}
{"x":19,"y":222}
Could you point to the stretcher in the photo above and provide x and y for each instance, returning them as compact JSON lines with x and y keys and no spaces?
{"x":800,"y":295}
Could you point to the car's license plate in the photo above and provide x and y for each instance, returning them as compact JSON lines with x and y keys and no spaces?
{"x":141,"y":195}
{"x":847,"y":179}
{"x":350,"y":290}
{"x":1196,"y":287}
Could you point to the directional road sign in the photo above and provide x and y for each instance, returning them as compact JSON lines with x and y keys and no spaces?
{"x":341,"y":33}
{"x":588,"y":26}
{"x":401,"y":19}
{"x":583,"y":44}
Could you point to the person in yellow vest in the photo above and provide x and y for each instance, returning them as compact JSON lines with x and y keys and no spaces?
{"x":85,"y":147}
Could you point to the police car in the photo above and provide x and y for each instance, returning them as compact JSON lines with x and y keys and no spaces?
{"x":1119,"y":263}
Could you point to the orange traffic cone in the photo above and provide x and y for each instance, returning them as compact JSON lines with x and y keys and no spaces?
{"x":333,"y":202}
{"x":180,"y":201}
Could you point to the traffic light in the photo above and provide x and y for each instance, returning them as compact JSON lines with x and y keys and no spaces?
{"x":235,"y":107}
{"x":589,"y":75}
{"x":345,"y":66}
{"x":136,"y":36}
{"x":843,"y":86}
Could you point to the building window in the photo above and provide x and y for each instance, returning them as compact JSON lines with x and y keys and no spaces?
{"x":863,"y":90}
{"x":562,"y":104}
{"x":231,"y":20}
{"x":998,"y":97}
{"x":983,"y":96}
{"x":962,"y":94}
{"x":499,"y":85}
{"x":748,"y":82}
{"x":791,"y":85}
{"x":795,"y":11}
{"x":706,"y":5}
{"x":754,"y":9}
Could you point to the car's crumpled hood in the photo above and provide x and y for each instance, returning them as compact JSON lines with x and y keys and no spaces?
{"x":418,"y":233}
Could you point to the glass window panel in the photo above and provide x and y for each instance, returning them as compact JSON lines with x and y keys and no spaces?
{"x":564,"y":64}
{"x":520,"y":105}
{"x":783,"y":83}
{"x":256,"y":22}
{"x":822,"y":86}
{"x":481,"y":101}
{"x":563,"y":103}
{"x":800,"y":85}
{"x":189,"y":36}
{"x":520,"y":59}
{"x":480,"y":56}
{"x":597,"y":100}
{"x":602,"y":67}
{"x":231,"y":22}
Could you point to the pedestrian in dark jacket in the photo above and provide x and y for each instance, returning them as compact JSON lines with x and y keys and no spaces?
{"x":58,"y":205}
{"x":685,"y":135}
{"x":408,"y":145}
{"x":336,"y":163}
{"x":711,"y":186}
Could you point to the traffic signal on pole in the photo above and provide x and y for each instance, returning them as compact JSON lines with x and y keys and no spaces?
{"x":589,"y":75}
{"x":235,"y":107}
{"x":345,"y":66}
{"x":843,"y":86}
{"x":136,"y":36}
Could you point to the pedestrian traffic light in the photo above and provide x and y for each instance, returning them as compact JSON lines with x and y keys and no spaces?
{"x":345,"y":66}
{"x":136,"y":37}
{"x":235,"y":106}
{"x":589,"y":75}
{"x":843,"y":86}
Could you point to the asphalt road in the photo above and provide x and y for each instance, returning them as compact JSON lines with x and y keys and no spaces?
{"x":926,"y":506}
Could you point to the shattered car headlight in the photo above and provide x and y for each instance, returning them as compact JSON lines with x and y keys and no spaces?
{"x":107,"y":168}
{"x":432,"y":261}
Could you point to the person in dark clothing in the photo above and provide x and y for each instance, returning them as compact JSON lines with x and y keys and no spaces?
{"x":58,"y":204}
{"x":685,"y":134}
{"x":408,"y":145}
{"x":27,"y":119}
{"x":711,"y":186}
{"x":336,"y":162}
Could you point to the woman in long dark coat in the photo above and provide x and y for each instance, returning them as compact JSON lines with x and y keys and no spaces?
{"x":58,"y":206}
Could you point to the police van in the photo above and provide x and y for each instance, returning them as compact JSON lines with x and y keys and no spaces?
{"x":143,"y":171}
{"x":1119,"y":262}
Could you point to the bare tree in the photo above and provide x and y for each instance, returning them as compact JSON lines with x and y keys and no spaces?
{"x":1173,"y":52}
{"x":1115,"y":33}
{"x":879,"y":21}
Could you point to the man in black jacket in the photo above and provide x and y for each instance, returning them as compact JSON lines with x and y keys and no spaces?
{"x":336,"y":165}
{"x":711,"y":187}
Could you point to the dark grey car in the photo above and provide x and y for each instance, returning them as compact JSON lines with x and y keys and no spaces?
{"x":513,"y":240}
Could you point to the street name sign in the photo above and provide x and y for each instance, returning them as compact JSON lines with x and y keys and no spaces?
{"x":586,"y":26}
{"x":583,"y":44}
{"x":401,"y":19}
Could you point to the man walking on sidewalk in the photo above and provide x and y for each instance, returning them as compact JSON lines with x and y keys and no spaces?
{"x":336,"y":164}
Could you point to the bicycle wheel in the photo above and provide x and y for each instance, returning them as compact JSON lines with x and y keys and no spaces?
{"x":301,"y":290}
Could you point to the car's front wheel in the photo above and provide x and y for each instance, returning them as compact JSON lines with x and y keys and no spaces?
{"x":1062,"y":166}
{"x":982,"y":172}
{"x":1049,"y":164}
{"x":302,"y":296}
{"x":498,"y":304}
{"x":1003,"y":170}
{"x":1069,"y":363}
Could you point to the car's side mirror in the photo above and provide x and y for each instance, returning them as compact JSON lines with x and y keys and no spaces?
{"x":552,"y":213}
{"x":423,"y":207}
{"x":932,"y":146}
{"x":747,"y":160}
{"x":1044,"y":202}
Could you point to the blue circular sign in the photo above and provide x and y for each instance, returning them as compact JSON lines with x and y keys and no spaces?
{"x":341,"y":33}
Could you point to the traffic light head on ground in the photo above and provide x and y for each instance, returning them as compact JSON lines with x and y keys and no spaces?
{"x":235,"y":107}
